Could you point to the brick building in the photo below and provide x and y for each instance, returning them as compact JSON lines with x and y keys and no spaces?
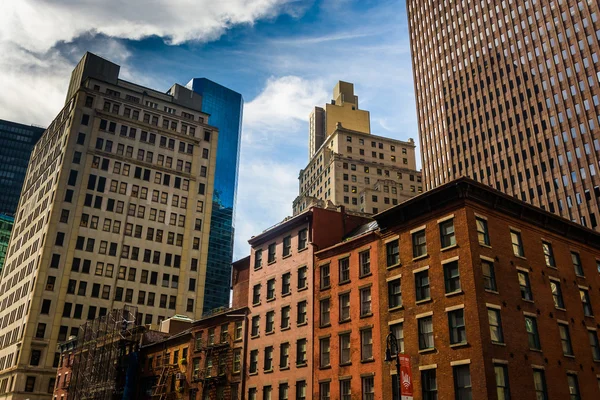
{"x":279,"y":351}
{"x":488,"y":295}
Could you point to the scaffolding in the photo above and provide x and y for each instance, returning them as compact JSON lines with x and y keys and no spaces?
{"x":106,"y":348}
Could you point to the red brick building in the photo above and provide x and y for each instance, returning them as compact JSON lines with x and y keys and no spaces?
{"x":279,"y":351}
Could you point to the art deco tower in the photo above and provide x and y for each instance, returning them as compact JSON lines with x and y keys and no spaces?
{"x":508,"y":93}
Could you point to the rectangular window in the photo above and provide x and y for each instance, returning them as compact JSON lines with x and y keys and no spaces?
{"x":271,"y":255}
{"x":422,"y":285}
{"x":287,"y":246}
{"x":456,"y":323}
{"x":268,"y":362}
{"x":255,"y":330}
{"x":324,"y":391}
{"x":253,"y":365}
{"x":284,"y":355}
{"x":366,"y":344}
{"x":271,"y":289}
{"x":462,"y":382}
{"x":324,"y":307}
{"x":548,"y":254}
{"x":394,"y":294}
{"x":344,"y":270}
{"x":495,"y":322}
{"x":419,"y":244}
{"x":557,"y":294}
{"x":573,"y":383}
{"x":365,"y":302}
{"x":577,"y":263}
{"x":398,"y":331}
{"x":593,"y":336}
{"x":344,"y":307}
{"x":302,"y":239}
{"x":270,"y":324}
{"x":345,"y":348}
{"x":429,"y":384}
{"x":301,"y":313}
{"x":285,"y":317}
{"x":584,"y":294}
{"x":364,"y":259}
{"x":482,"y":231}
{"x":286,"y":285}
{"x":368,"y":388}
{"x":502,"y":387}
{"x":393,"y":253}
{"x":525,"y":286}
{"x":301,"y":390}
{"x":324,"y":351}
{"x":345,"y":391}
{"x":302,"y":278}
{"x":447,"y":237}
{"x":255,"y":295}
{"x":539,"y":382}
{"x":257,"y":259}
{"x":517,"y":243}
{"x":301,"y":346}
{"x":425,"y":333}
{"x":489,"y":276}
{"x":452,"y":277}
{"x":565,"y":339}
{"x":325,"y":276}
{"x":533,"y":336}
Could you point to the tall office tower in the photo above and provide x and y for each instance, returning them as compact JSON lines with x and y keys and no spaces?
{"x":351,"y":167}
{"x":6,"y":224}
{"x":225,"y":108}
{"x":113,"y":211}
{"x":508,"y":93}
{"x":316,"y":130}
{"x":16,"y":144}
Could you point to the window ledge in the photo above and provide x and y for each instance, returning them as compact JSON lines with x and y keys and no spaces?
{"x":521,"y":257}
{"x":492,"y":291}
{"x":370,"y":360}
{"x":270,"y":300}
{"x":536,"y":350}
{"x":268,"y":371}
{"x":252,"y":373}
{"x":269,"y":333}
{"x":528,"y":301}
{"x":596,"y":360}
{"x":285,"y":329}
{"x":327,"y":325}
{"x":420,"y":257}
{"x":325,"y":367}
{"x":345,"y":364}
{"x":367,"y":315}
{"x":303,"y":289}
{"x":589,"y":316}
{"x":271,"y":262}
{"x":398,"y":308}
{"x":256,"y":304}
{"x":485,"y":245}
{"x":553,"y":267}
{"x":569,"y":356}
{"x":302,"y":323}
{"x":366,"y":275}
{"x":580,"y":276}
{"x":423,"y":301}
{"x":499,"y":344}
{"x":560,"y":308}
{"x":302,"y":365}
{"x":427,"y":350}
{"x":284,"y":368}
{"x":394,"y":266}
{"x":455,"y":293}
{"x":255,"y":336}
{"x":344,"y":321}
{"x":258,"y":268}
{"x":303,"y":249}
{"x":457,"y":345}
{"x":286,"y":294}
{"x":325,"y":288}
{"x":449,"y":247}
{"x":344,"y":283}
{"x":288,"y":256}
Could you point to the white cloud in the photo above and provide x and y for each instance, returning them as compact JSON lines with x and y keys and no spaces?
{"x":38,"y":25}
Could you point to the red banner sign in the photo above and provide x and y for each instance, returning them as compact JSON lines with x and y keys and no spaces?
{"x":406,"y":382}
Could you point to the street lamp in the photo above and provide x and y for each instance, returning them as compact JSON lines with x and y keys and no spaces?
{"x":391,"y":352}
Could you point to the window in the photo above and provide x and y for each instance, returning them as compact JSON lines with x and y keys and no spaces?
{"x":257,"y":259}
{"x":345,"y":391}
{"x":252,"y":394}
{"x":539,"y":382}
{"x":287,"y":246}
{"x":301,"y":313}
{"x":577,"y":263}
{"x":345,"y":347}
{"x":422,"y":285}
{"x":302,"y":278}
{"x":283,"y":391}
{"x":548,"y":254}
{"x":533,"y":337}
{"x":447,"y":237}
{"x":419,"y":243}
{"x":365,"y":302}
{"x":325,"y":276}
{"x":393,"y":252}
{"x":565,"y":339}
{"x":364,"y":259}
{"x":394,"y":294}
{"x":557,"y":294}
{"x":495,"y":322}
{"x":284,"y":355}
{"x":573,"y":383}
{"x":451,"y":277}
{"x":593,"y":336}
{"x":301,"y":390}
{"x":324,"y":351}
{"x":344,"y":268}
{"x":268,"y":362}
{"x":253,"y":367}
{"x":301,"y":345}
{"x":324,"y":317}
{"x":502,"y":387}
{"x":30,"y":382}
{"x":344,"y":307}
{"x":366,"y":344}
{"x":255,"y":295}
{"x":425,"y":333}
{"x":286,"y":286}
{"x":255,"y":326}
{"x":462,"y":382}
{"x":398,"y":331}
{"x":271,"y":255}
{"x":456,"y":323}
{"x":324,"y":391}
{"x":270,"y":324}
{"x":517,"y":244}
{"x":489,"y":276}
{"x":429,"y":384}
{"x":585,"y":301}
{"x":35,"y":357}
{"x":482,"y":231}
{"x":285,"y":317}
{"x":270,"y":289}
{"x":368,"y":388}
{"x":302,"y":239}
{"x":525,"y":286}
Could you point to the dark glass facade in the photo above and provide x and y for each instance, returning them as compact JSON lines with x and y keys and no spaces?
{"x":225,"y":108}
{"x":6,"y":224}
{"x":16,"y":144}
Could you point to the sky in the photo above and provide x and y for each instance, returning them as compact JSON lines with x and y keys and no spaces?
{"x":283,"y":56}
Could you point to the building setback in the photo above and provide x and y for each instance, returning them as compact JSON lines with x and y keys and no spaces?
{"x":16,"y":144}
{"x":508,"y":93}
{"x":113,"y":211}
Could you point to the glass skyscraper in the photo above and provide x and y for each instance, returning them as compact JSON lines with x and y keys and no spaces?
{"x":16,"y":144}
{"x":225,"y":108}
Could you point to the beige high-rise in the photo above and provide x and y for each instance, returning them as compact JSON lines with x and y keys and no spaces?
{"x":508,"y":93}
{"x":351,"y":167}
{"x":115,"y":210}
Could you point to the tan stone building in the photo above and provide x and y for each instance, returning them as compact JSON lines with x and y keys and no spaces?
{"x":351,"y":167}
{"x":508,"y":93}
{"x":115,"y":210}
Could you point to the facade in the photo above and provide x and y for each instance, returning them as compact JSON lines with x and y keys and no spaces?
{"x":225,"y":108}
{"x":6,"y":224}
{"x":16,"y":144}
{"x":113,"y":211}
{"x":363,"y":172}
{"x":489,"y":296}
{"x":279,"y":351}
{"x":508,"y":93}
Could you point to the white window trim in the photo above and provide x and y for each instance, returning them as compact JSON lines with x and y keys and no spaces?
{"x":416,"y":271}
{"x":446,"y":218}
{"x":426,"y":367}
{"x":420,"y":228}
{"x":456,"y":307}
{"x":460,"y":362}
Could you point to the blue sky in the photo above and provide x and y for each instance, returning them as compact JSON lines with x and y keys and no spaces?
{"x":284,"y":56}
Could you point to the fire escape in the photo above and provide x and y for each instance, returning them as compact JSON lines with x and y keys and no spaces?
{"x":168,"y":374}
{"x":217,"y":360}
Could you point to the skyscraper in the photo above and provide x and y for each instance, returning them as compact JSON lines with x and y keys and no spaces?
{"x":508,"y":93}
{"x":115,"y":210}
{"x":225,"y":108}
{"x":16,"y":144}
